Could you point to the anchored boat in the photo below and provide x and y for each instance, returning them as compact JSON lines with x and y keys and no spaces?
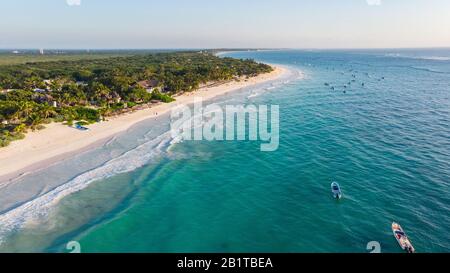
{"x":402,"y":239}
{"x":336,"y":190}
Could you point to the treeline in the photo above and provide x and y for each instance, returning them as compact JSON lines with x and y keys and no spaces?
{"x":87,"y":91}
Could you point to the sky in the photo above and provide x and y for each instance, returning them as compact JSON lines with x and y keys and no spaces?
{"x":146,"y":24}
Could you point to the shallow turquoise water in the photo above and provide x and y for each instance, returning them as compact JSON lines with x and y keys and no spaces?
{"x":387,"y":143}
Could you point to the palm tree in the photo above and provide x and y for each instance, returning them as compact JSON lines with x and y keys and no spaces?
{"x":25,"y":108}
{"x":46,"y":111}
{"x":33,"y":120}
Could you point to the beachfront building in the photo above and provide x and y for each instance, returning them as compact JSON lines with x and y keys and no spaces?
{"x":150,"y":85}
{"x":40,"y":90}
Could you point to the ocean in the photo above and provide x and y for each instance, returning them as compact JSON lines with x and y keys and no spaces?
{"x":375,"y":121}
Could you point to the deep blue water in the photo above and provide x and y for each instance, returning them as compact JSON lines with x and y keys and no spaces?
{"x":383,"y":133}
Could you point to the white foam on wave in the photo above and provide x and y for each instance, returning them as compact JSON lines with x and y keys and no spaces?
{"x":188,"y":124}
{"x":431,"y":58}
{"x":37,"y":209}
{"x":34,"y":210}
{"x":256,"y":93}
{"x":291,"y":75}
{"x":434,"y":58}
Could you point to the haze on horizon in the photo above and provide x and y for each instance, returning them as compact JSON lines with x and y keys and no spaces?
{"x":111,"y":24}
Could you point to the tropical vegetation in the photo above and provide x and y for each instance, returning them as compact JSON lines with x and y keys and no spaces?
{"x":89,"y":90}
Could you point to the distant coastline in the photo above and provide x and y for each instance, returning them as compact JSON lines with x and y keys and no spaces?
{"x":220,"y":52}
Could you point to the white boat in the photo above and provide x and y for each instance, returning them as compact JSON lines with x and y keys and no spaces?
{"x":402,"y":239}
{"x":336,"y":190}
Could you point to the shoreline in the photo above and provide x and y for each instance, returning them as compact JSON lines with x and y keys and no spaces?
{"x":58,"y":142}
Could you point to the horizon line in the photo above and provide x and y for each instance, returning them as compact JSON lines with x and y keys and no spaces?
{"x":224,"y":48}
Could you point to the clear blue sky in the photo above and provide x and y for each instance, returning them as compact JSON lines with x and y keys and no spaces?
{"x":224,"y":23}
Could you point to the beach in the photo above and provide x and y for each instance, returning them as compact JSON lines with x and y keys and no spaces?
{"x":140,"y":190}
{"x":57,"y":141}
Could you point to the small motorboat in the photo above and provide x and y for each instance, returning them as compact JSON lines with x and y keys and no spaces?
{"x":402,"y":239}
{"x":336,"y":190}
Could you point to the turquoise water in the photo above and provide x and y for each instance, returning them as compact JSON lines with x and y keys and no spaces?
{"x":387,"y":143}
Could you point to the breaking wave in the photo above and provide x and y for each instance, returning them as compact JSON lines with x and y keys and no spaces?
{"x":37,"y":208}
{"x":292,"y":75}
{"x":430,"y":58}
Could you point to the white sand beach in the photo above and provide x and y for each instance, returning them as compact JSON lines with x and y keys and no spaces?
{"x":57,"y":141}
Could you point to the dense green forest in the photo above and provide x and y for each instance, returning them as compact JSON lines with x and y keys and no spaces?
{"x":88,"y":90}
